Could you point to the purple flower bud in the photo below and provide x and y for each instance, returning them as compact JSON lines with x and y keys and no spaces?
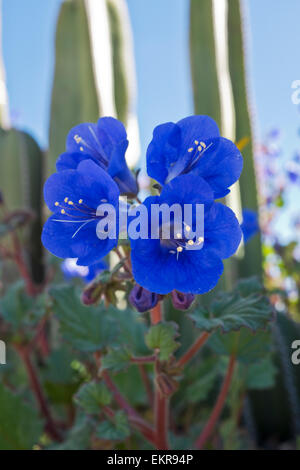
{"x":182,"y":301}
{"x":142,"y":299}
{"x":92,"y":293}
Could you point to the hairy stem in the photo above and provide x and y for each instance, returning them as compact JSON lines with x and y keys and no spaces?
{"x":37,"y":390}
{"x":211,"y":423}
{"x":192,"y":351}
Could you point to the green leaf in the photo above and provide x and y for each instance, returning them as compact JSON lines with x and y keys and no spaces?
{"x":92,"y":396}
{"x":199,"y":390}
{"x":116,"y":429}
{"x":20,"y":310}
{"x":246,"y":346}
{"x":246,"y":307}
{"x":79,"y":435}
{"x":20,"y":425}
{"x":261,"y":375}
{"x":116,"y":359}
{"x":86,"y":328}
{"x":132,"y":327}
{"x":162,"y":337}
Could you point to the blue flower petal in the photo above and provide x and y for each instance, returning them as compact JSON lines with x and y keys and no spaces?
{"x":84,"y":137}
{"x":222,"y":233}
{"x":250,"y":225}
{"x":163,"y":151}
{"x":199,"y":128}
{"x":193,"y":272}
{"x":70,"y":161}
{"x":221,"y":165}
{"x":119,"y":170}
{"x":89,"y":182}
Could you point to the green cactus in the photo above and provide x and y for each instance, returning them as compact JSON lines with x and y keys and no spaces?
{"x":119,"y":72}
{"x":203,"y":60}
{"x":251,"y":263}
{"x":74,"y":96}
{"x":21,"y":165}
{"x":276,"y":412}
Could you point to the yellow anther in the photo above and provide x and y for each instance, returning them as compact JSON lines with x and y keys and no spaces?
{"x":203,"y":144}
{"x":70,"y":203}
{"x":66,"y":199}
{"x":80,"y":201}
{"x":200,"y":148}
{"x":196,"y":142}
{"x":188,"y":228}
{"x":63,"y":211}
{"x":178,"y":235}
{"x":200,"y":239}
{"x":179,"y":249}
{"x":190,"y":242}
{"x":77,"y":139}
{"x":56,"y":203}
{"x":81,"y":149}
{"x":190,"y":149}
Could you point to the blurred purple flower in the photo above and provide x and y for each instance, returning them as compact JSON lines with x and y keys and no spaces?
{"x":250,"y":224}
{"x":70,"y":269}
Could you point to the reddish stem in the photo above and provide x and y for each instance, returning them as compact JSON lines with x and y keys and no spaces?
{"x":156,"y":314}
{"x":133,"y":416}
{"x":38,"y":392}
{"x":211,"y":423}
{"x":20,"y":262}
{"x":147,"y":383}
{"x":161,"y":420}
{"x":190,"y":353}
{"x":161,"y":403}
{"x":143,"y":359}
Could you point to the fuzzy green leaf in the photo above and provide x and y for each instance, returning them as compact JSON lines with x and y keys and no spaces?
{"x":116,"y":359}
{"x":20,"y":425}
{"x":245,"y":345}
{"x":162,"y":337}
{"x":261,"y":375}
{"x":86,"y":328}
{"x":246,"y":307}
{"x":116,"y":429}
{"x":92,"y":396}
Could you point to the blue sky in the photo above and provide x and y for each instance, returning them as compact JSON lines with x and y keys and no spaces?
{"x":160,"y":30}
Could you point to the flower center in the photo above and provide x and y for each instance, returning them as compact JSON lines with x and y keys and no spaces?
{"x":175,"y":241}
{"x":188,"y":161}
{"x":77,"y":213}
{"x":96,"y":151}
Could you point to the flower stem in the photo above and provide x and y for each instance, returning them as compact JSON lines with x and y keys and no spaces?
{"x":142,"y":359}
{"x":24,"y":354}
{"x":133,"y":416}
{"x":190,"y":353}
{"x":211,"y":423}
{"x":20,"y":262}
{"x":156,"y":314}
{"x":161,"y":403}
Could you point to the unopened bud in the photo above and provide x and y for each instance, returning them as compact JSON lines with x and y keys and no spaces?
{"x":142,"y":299}
{"x":182,"y":301}
{"x":167,"y":385}
{"x":92,"y":293}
